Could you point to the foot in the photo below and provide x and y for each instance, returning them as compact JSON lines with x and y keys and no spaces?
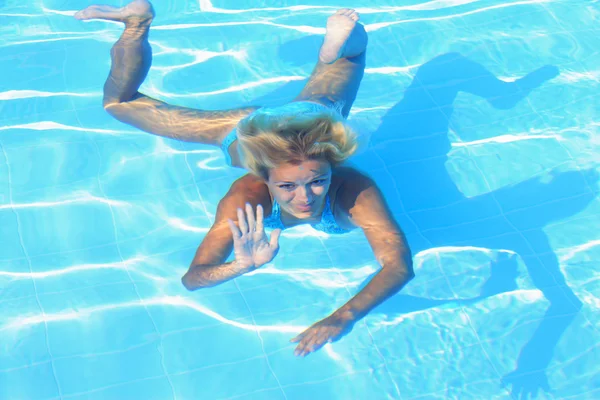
{"x":140,"y":10}
{"x":519,"y":89}
{"x":344,"y":37}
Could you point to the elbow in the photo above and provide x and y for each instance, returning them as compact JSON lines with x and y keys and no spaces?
{"x":401,"y":266}
{"x":190,"y":282}
{"x":405,"y":276}
{"x":187,"y":283}
{"x":108,"y":104}
{"x":405,"y":271}
{"x":114,"y":108}
{"x":400,"y":275}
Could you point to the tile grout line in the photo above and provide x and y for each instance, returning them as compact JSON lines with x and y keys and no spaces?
{"x":502,"y":213}
{"x":366,"y":327}
{"x":25,"y":252}
{"x":127,"y":269}
{"x":486,"y":355}
{"x":262,"y":344}
{"x":115,"y":233}
{"x":235,"y":283}
{"x":572,"y":159}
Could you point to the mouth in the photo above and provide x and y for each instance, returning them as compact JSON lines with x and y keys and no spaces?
{"x":305,"y":207}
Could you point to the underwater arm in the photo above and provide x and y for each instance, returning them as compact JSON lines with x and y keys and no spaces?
{"x":370,"y":212}
{"x":208,"y":268}
{"x":203,"y":276}
{"x":394,"y":275}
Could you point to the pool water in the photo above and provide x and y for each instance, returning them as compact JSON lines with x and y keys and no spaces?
{"x":481,"y":119}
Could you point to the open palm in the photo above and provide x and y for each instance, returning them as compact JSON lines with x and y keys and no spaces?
{"x":251,"y":246}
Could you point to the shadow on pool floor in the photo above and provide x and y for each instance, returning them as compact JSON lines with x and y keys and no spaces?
{"x":415,"y":131}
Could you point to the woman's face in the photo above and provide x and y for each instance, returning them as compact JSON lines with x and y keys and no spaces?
{"x":300,"y":189}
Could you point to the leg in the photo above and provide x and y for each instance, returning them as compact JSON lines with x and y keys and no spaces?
{"x":458,"y":73}
{"x":131,"y":59}
{"x":337,"y":75}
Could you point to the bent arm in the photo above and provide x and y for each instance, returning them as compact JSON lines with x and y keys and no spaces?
{"x":203,"y":276}
{"x":370,"y":212}
{"x":208,"y":268}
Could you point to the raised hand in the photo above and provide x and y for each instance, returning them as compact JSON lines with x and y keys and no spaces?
{"x":251,"y":246}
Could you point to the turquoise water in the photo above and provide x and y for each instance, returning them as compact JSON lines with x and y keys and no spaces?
{"x":493,"y":179}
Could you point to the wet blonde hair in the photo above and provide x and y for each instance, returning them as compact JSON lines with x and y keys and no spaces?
{"x":266,"y":140}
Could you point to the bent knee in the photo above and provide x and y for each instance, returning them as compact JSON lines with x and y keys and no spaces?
{"x":109,"y":101}
{"x":113,"y":107}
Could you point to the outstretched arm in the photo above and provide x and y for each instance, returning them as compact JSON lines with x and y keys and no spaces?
{"x":369,"y":212}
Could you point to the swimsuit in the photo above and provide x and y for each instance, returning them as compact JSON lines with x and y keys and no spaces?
{"x":327,"y":223}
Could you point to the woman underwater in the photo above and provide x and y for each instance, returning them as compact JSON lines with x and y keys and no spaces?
{"x":293,"y":154}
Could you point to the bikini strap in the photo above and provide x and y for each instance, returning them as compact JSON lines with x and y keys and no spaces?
{"x":274,"y":220}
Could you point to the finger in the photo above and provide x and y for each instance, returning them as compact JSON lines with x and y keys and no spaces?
{"x":311,"y":348}
{"x":300,"y":348}
{"x":234,"y":229}
{"x":299,"y":337}
{"x":242,"y":221}
{"x":317,"y":342}
{"x":311,"y":342}
{"x":259,"y":218}
{"x":250,"y":214}
{"x":325,"y":339}
{"x":274,"y":241}
{"x":306,"y":349}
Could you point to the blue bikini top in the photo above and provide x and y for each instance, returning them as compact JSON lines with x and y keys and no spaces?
{"x":327,"y":223}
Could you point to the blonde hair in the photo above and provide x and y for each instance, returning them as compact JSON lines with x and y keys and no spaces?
{"x":267,"y":140}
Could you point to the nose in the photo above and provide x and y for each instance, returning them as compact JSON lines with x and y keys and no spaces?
{"x":305,"y":195}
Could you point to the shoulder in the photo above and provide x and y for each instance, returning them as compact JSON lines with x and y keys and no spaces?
{"x":351,"y":182}
{"x":349,"y":173}
{"x":247,"y":189}
{"x":362,"y":200}
{"x":249,"y":184}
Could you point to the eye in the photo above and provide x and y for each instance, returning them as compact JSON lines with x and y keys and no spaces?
{"x":320,"y":181}
{"x":287,"y":186}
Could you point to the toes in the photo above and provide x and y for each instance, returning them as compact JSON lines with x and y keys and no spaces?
{"x":83,"y":14}
{"x":345,"y":11}
{"x":348,"y":12}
